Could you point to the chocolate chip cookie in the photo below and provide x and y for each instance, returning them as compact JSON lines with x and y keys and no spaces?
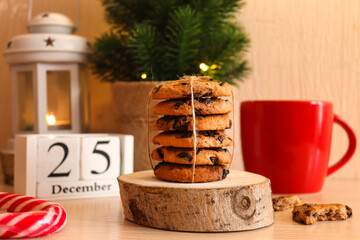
{"x":183,"y":173}
{"x":204,"y":139}
{"x":310,"y":213}
{"x":202,"y":87}
{"x":185,"y":123}
{"x":203,"y":106}
{"x":204,"y":156}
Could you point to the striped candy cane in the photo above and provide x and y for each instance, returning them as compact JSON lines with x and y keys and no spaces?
{"x":24,"y":216}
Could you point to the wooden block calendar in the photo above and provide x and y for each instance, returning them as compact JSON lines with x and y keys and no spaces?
{"x":71,"y":166}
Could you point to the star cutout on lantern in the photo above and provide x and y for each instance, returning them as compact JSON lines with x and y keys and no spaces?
{"x":45,"y":15}
{"x":9,"y":44}
{"x":49,"y":42}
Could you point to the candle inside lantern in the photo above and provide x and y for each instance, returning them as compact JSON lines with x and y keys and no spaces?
{"x":54,"y":124}
{"x":58,"y":100}
{"x":51,"y":120}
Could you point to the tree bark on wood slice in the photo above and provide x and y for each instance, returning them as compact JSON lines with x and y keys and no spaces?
{"x":240,"y":202}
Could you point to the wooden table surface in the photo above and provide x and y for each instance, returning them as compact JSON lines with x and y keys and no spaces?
{"x":103,"y":218}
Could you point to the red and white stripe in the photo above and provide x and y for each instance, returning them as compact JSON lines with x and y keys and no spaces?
{"x":23,"y":216}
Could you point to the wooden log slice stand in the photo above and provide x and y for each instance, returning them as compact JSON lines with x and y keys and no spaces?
{"x":240,"y":202}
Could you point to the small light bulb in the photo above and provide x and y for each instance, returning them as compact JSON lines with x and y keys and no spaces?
{"x":203,"y":67}
{"x":143,"y":76}
{"x":213,"y":66}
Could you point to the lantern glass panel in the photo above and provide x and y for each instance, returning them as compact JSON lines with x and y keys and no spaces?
{"x":58,"y":100}
{"x":84,"y":98}
{"x":25,"y":101}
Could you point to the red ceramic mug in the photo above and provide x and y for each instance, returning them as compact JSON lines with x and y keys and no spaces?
{"x":289,"y":143}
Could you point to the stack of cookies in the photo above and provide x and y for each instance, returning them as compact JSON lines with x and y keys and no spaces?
{"x":176,"y":154}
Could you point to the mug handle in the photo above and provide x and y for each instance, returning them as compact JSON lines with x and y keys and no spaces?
{"x":351,"y":149}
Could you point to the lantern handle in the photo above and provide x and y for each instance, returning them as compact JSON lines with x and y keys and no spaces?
{"x":30,"y":6}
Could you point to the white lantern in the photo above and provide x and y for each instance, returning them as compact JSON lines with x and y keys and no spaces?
{"x":46,"y":68}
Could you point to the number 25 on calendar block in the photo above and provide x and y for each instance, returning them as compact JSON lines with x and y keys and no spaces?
{"x":71,"y":165}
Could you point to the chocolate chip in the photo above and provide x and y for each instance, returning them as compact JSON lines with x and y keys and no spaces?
{"x":178,"y":104}
{"x":168,"y":118}
{"x":296,"y":213}
{"x":213,"y":159}
{"x":314,"y":215}
{"x":307,"y":213}
{"x":159,"y":165}
{"x":227,"y":101}
{"x":182,"y":127}
{"x":205,"y":100}
{"x":349,"y":212}
{"x":230,"y":123}
{"x":180,"y":123}
{"x":225,"y":173}
{"x":219,"y":149}
{"x":222,"y":83}
{"x":208,"y":101}
{"x":184,"y":155}
{"x":157,"y":89}
{"x":208,"y":133}
{"x":197,"y":112}
{"x":186,"y":135}
{"x":160,"y":152}
{"x":184,"y":83}
{"x":221,"y":139}
{"x":303,"y":221}
{"x":206,"y":95}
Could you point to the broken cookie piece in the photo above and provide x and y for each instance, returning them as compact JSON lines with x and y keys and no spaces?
{"x":286,"y":202}
{"x":310,"y":213}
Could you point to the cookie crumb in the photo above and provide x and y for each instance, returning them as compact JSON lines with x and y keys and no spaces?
{"x":311,"y":213}
{"x":286,"y":202}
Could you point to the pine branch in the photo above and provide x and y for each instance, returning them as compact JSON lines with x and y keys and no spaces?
{"x":124,"y":14}
{"x":224,"y":49}
{"x":111,"y":58}
{"x":183,"y":42}
{"x":146,"y":47}
{"x":159,"y":15}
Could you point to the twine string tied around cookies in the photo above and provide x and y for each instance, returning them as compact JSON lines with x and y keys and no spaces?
{"x":194,"y":128}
